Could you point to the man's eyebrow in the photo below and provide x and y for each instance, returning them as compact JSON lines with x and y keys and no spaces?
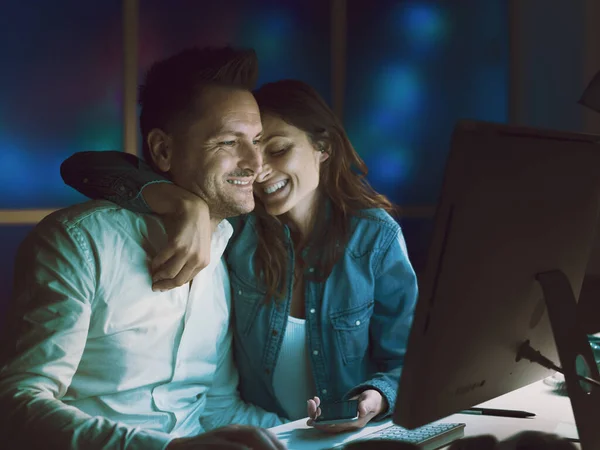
{"x":225,"y":132}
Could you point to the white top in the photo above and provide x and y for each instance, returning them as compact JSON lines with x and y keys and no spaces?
{"x":92,"y":339}
{"x":293,"y":380}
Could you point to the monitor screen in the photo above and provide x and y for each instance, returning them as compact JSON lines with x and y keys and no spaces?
{"x":515,"y":202}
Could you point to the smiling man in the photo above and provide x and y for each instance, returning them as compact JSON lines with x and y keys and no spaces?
{"x":97,"y":359}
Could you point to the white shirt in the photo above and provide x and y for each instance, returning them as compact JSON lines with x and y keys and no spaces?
{"x":99,"y":360}
{"x":292,"y":379}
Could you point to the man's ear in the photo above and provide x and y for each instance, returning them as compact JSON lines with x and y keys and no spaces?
{"x":161,"y":149}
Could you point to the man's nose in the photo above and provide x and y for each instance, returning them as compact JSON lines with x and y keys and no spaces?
{"x":251,"y":158}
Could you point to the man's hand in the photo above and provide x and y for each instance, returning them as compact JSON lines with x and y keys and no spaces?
{"x":232,"y":437}
{"x":189,"y":230}
{"x":370,"y":404}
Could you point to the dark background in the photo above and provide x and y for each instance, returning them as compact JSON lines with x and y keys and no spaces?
{"x":412,"y":68}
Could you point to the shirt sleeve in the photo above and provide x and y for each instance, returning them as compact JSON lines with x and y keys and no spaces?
{"x":46,"y":335}
{"x":395,"y":299}
{"x":224,"y":405}
{"x":110,"y":175}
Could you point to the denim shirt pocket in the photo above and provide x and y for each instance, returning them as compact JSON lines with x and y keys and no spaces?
{"x":351,"y":329}
{"x":246,"y":300}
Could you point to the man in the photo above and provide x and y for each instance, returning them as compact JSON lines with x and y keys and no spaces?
{"x":97,"y":359}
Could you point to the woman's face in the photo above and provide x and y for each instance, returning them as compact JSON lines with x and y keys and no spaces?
{"x":290,"y":175}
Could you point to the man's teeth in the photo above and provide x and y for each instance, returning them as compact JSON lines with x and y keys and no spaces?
{"x":275,"y":187}
{"x":240,"y":182}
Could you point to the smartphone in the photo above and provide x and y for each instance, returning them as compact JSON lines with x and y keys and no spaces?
{"x":338,"y":412}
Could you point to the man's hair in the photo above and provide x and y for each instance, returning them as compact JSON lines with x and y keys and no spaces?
{"x":171,"y":86}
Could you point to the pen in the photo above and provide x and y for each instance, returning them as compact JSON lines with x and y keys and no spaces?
{"x":498,"y":412}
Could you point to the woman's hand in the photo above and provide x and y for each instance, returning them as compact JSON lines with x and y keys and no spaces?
{"x":370,"y":404}
{"x":187,"y":221}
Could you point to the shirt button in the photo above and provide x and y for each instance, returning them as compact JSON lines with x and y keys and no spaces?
{"x":324,"y":391}
{"x":312,"y":269}
{"x":357,"y":322}
{"x":240,"y":292}
{"x":315,"y":352}
{"x":312,"y":310}
{"x":85,"y":180}
{"x":267,"y":371}
{"x":274,"y":333}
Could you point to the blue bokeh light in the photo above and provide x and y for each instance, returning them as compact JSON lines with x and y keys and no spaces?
{"x":389,"y":167}
{"x":399,"y":87}
{"x":423,"y":21}
{"x":422,"y":25}
{"x":270,"y":32}
{"x":398,"y":100}
{"x":424,"y":66}
{"x":29,"y":172}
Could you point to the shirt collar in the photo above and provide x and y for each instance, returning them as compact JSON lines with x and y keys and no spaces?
{"x":220,"y":239}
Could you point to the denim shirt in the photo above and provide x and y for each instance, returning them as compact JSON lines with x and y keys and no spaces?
{"x":357,"y":321}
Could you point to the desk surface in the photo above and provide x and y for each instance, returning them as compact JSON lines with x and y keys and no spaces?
{"x":553,"y":415}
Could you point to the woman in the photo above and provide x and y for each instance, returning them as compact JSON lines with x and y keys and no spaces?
{"x":322,"y":287}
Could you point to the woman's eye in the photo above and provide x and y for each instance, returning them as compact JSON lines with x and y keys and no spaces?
{"x":256,"y":142}
{"x":281,"y":151}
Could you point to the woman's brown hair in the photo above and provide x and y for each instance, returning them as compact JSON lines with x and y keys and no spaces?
{"x":342,"y":182}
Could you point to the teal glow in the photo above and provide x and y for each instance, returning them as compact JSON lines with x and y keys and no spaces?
{"x":397,"y":104}
{"x":399,"y":87}
{"x":14,"y":160}
{"x":30,"y":176}
{"x":423,"y":24}
{"x":389,"y":168}
{"x":270,"y":34}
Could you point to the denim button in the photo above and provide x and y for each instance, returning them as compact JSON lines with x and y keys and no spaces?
{"x":312,"y":310}
{"x":315,"y":352}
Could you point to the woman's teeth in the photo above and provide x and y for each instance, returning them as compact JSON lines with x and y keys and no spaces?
{"x":275,"y":187}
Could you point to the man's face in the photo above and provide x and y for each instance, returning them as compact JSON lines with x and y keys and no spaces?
{"x":215,"y":154}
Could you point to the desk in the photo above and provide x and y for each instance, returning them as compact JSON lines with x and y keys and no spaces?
{"x":553,"y":415}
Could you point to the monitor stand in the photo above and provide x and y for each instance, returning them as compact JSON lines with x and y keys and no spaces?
{"x":573,"y":351}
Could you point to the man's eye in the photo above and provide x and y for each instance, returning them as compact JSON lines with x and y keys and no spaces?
{"x":256,"y":142}
{"x":227,"y":143}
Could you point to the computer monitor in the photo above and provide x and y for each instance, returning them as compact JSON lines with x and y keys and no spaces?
{"x":515,"y":202}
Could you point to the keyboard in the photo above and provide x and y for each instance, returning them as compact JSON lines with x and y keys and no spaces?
{"x":428,"y":437}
